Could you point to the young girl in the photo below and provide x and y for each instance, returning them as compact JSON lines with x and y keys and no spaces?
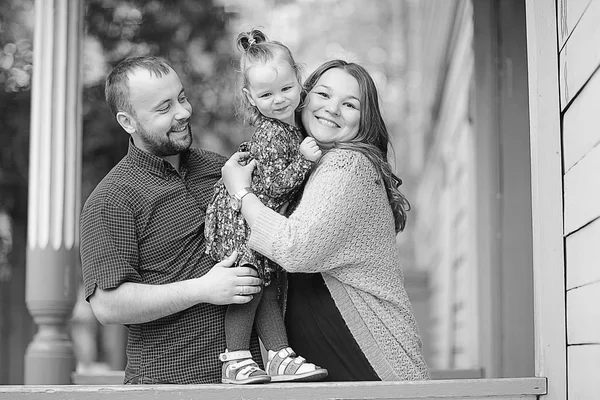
{"x":270,"y":95}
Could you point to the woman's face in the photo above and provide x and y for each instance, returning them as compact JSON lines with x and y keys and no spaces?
{"x":332,"y":112}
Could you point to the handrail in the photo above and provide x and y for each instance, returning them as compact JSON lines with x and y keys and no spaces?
{"x":112,"y":377}
{"x":469,"y":389}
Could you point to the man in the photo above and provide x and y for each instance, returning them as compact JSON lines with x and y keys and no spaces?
{"x":142,"y":236}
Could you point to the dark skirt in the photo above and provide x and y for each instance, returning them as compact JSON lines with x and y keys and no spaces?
{"x":317,"y":331}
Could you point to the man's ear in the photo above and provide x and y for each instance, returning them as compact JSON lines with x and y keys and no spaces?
{"x":126,"y":121}
{"x":248,"y":96}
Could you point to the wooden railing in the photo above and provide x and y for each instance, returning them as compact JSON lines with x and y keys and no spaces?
{"x":116,"y":377}
{"x":461,"y":389}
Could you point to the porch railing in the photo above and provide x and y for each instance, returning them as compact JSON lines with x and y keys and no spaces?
{"x":467,"y":389}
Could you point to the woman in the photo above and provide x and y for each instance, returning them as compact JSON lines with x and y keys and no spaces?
{"x":347,"y":309}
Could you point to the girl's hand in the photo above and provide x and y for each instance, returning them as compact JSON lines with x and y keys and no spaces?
{"x":235,"y":175}
{"x":310,"y":149}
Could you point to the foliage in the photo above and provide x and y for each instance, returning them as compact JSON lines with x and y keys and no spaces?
{"x":192,"y":36}
{"x":15,"y":79}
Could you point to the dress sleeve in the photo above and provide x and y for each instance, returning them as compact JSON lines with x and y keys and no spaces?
{"x":281,"y":167}
{"x":323,"y":231}
{"x":108,"y":246}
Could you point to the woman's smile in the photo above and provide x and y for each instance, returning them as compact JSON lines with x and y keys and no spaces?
{"x":327,"y":122}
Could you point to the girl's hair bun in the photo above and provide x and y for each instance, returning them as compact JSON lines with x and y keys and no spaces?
{"x":247,"y":39}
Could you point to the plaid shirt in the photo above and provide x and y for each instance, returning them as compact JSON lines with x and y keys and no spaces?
{"x":144,"y":223}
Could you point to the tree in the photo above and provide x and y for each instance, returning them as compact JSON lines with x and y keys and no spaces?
{"x":191,"y":34}
{"x":16,"y":327}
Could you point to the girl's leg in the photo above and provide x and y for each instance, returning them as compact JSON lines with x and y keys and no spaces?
{"x":239,"y":320}
{"x":284,"y":365}
{"x":238,"y":366}
{"x":269,"y":320}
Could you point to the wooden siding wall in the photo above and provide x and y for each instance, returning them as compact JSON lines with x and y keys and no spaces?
{"x":579,"y":59}
{"x":445,"y":198}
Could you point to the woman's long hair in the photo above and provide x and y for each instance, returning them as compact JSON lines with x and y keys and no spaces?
{"x":372,"y":138}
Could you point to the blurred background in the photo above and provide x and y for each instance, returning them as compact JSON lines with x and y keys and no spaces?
{"x":466,"y":252}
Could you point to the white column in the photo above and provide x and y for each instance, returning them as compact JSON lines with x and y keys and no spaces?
{"x":54,"y":189}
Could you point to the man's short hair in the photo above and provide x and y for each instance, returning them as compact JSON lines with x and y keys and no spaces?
{"x":116,"y":89}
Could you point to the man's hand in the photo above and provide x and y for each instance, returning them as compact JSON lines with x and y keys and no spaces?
{"x":136,"y":303}
{"x":226,"y":285}
{"x":310,"y":149}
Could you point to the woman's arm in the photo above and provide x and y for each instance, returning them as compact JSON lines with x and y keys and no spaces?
{"x":322,"y":232}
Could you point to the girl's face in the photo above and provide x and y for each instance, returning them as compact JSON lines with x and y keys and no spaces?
{"x":332,"y":112}
{"x":274,"y":89}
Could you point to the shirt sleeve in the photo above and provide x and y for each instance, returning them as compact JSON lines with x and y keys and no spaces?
{"x":281,"y":167}
{"x":109,"y":251}
{"x":326,"y":228}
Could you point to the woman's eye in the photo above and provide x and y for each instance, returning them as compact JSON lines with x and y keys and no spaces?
{"x":350,"y":105}
{"x":323,"y":94}
{"x":182,"y":99}
{"x":164,"y":109}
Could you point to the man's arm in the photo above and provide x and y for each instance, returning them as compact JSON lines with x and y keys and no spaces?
{"x":135,"y":303}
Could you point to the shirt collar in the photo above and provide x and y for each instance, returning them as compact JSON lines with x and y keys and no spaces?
{"x":155,"y":164}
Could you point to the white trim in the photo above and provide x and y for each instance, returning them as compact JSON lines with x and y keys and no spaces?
{"x":459,"y":389}
{"x":547,"y":196}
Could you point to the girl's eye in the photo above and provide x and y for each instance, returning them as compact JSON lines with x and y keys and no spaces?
{"x":350,"y":105}
{"x":264,"y":95}
{"x":287,"y":88}
{"x":323,"y":94}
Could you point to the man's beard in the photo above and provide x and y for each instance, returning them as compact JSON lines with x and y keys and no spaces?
{"x":165,"y":146}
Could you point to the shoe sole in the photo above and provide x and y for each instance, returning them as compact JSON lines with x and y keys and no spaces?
{"x":248,"y":381}
{"x":305,"y":377}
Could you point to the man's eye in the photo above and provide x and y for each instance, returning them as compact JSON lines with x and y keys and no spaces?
{"x":164,"y":109}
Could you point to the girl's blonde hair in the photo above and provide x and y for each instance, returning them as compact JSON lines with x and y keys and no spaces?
{"x":256,"y":48}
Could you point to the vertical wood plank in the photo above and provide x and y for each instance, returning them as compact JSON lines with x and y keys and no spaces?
{"x":515,"y":204}
{"x":547,"y":194}
{"x":487,"y":183}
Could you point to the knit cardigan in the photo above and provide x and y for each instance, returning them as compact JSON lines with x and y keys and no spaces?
{"x":343,"y":228}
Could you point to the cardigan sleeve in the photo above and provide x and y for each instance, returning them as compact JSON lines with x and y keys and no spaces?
{"x":323,"y":231}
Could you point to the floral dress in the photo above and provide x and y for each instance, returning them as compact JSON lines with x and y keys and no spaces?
{"x":280,"y":173}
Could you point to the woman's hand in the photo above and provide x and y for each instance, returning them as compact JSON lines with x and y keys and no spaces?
{"x":235,"y":175}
